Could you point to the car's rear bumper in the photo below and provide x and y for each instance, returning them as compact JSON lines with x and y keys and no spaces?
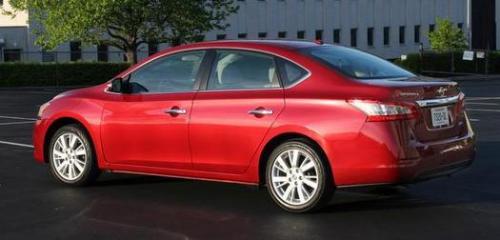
{"x":384,"y":154}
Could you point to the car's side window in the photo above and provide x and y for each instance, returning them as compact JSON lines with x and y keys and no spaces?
{"x":170,"y":74}
{"x":292,"y":73}
{"x":243,"y":70}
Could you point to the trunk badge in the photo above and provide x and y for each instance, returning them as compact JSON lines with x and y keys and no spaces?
{"x":442,"y":91}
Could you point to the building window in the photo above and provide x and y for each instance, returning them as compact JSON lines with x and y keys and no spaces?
{"x":319,"y":35}
{"x":221,"y":36}
{"x":48,"y":56}
{"x":102,"y":53}
{"x":336,"y":35}
{"x":242,"y":35}
{"x":75,"y":48}
{"x":152,"y":48}
{"x":12,"y":55}
{"x":281,"y":34}
{"x":432,"y":27}
{"x":460,"y":26}
{"x":301,"y":34}
{"x":402,"y":34}
{"x":369,"y":36}
{"x":262,"y":35}
{"x":416,"y":34}
{"x":387,"y":35}
{"x":354,"y":37}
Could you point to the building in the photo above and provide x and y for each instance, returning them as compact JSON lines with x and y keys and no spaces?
{"x":388,"y":28}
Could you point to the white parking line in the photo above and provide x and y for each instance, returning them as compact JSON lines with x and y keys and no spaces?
{"x":481,"y":98}
{"x":16,"y":144}
{"x":483,"y":110}
{"x":481,"y":103}
{"x":16,"y":123}
{"x":18,"y":118}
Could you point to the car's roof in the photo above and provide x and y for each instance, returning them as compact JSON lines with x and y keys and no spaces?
{"x":283,"y":44}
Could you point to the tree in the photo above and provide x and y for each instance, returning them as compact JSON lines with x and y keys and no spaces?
{"x":124,"y":24}
{"x":447,"y":37}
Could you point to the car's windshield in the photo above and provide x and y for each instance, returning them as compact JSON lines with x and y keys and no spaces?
{"x":356,"y":64}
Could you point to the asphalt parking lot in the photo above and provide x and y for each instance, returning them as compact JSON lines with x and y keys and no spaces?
{"x":32,"y":206}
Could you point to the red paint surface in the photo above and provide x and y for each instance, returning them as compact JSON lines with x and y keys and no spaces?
{"x":218,"y":140}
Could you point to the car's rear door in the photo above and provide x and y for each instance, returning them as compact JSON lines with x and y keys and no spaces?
{"x":232,"y":115}
{"x":149,"y":125}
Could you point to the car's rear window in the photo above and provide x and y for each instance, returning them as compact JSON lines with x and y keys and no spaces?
{"x":356,"y":64}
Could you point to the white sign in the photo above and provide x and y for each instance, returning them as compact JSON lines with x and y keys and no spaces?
{"x":468,"y":55}
{"x":404,"y":57}
{"x":479,"y":54}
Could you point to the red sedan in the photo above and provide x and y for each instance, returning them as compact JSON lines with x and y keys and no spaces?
{"x":298,"y":117}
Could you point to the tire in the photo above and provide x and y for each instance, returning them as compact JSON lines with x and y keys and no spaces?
{"x":71,"y":157}
{"x":292,"y":188}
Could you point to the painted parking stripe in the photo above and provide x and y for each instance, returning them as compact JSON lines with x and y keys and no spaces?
{"x":17,"y":118}
{"x":481,"y":98}
{"x":481,"y":103}
{"x":16,"y":144}
{"x":483,"y":110}
{"x":16,"y":123}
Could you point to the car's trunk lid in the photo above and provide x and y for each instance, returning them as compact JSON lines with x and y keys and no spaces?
{"x":439,"y":103}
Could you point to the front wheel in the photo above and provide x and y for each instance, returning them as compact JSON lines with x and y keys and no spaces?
{"x":298,"y":178}
{"x":71,"y":156}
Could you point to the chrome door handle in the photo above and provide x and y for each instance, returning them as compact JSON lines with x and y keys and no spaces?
{"x":176,"y":111}
{"x":260,"y":112}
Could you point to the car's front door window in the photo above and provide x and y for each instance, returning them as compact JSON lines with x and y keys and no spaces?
{"x":243,"y":70}
{"x":175,"y":73}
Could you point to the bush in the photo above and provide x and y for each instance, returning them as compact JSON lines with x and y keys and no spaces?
{"x":62,"y":74}
{"x":441,"y":62}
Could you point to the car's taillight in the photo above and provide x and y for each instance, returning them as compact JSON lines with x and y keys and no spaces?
{"x":380,"y":111}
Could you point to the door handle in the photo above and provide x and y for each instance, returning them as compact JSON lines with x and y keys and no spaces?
{"x":259,"y":112}
{"x":175,"y":111}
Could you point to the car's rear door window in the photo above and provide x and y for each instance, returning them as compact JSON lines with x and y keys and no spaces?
{"x":235,"y":69}
{"x":292,"y":73}
{"x":170,"y":74}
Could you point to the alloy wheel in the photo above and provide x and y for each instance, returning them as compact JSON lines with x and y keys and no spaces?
{"x":69,"y":156}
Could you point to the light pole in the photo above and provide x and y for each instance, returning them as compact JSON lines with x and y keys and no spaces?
{"x":2,"y":44}
{"x":469,"y":23}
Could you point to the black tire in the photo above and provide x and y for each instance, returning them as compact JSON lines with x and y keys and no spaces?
{"x":325,"y":188}
{"x":90,"y":171}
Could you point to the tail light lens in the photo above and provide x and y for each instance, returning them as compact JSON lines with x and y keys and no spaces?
{"x":379,"y":112}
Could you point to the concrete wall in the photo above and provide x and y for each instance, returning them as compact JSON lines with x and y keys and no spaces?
{"x":272,"y":16}
{"x":291,"y":16}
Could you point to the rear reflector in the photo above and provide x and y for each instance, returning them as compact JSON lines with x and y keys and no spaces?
{"x":379,"y":111}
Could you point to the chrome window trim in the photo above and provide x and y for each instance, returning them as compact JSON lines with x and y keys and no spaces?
{"x":438,"y":101}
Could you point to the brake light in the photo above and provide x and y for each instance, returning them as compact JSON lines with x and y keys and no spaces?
{"x":379,"y":112}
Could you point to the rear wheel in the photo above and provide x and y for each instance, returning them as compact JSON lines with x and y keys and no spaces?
{"x":297,"y":177}
{"x":71,"y":157}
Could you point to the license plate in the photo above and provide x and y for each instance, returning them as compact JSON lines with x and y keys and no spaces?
{"x":440,"y":116}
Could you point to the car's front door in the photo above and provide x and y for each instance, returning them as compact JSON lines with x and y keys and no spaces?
{"x":231,"y":117}
{"x":148,"y":126}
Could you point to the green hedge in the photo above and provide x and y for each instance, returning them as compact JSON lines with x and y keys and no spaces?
{"x":57,"y":74}
{"x":441,"y":62}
